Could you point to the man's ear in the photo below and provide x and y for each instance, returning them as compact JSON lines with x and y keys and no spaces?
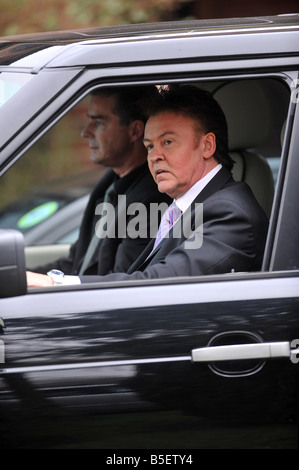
{"x":136,"y":130}
{"x":208,"y":142}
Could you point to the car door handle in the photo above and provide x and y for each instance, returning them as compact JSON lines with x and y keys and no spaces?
{"x":237,"y":352}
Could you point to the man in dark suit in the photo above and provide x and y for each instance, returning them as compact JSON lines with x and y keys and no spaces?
{"x":187,"y":144}
{"x":114,"y":131}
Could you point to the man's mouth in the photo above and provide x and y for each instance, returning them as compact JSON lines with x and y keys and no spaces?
{"x":93,"y":145}
{"x":160,"y":172}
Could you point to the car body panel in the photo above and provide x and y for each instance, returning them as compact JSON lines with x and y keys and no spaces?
{"x":86,"y":358}
{"x":180,"y":47}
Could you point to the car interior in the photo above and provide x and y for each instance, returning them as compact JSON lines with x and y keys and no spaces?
{"x":256,"y":110}
{"x":249,"y":118}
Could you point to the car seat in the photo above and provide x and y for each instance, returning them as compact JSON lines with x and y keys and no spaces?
{"x":248,"y":115}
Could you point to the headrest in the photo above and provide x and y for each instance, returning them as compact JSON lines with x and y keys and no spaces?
{"x":248,"y":113}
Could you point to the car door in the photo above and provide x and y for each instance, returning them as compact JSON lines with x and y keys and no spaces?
{"x":99,"y":366}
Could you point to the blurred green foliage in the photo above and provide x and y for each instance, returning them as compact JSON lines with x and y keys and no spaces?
{"x":29,"y":16}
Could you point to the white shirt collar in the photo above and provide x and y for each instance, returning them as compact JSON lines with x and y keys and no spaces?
{"x":184,"y":201}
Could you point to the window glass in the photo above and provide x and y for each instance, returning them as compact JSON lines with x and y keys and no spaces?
{"x":10,"y":84}
{"x":50,"y":177}
{"x":56,"y":172}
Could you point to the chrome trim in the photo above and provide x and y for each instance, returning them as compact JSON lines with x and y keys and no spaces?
{"x":89,"y":365}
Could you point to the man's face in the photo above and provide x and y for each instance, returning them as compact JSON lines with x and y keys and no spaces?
{"x":177,"y":157}
{"x":109,"y":141}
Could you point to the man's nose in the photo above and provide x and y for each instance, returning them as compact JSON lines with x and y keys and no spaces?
{"x":87,"y":132}
{"x":155,"y":155}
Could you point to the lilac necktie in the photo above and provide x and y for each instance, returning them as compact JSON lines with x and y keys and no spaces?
{"x":170,"y":216}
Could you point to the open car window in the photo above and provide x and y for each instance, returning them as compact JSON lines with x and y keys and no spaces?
{"x":54,"y":178}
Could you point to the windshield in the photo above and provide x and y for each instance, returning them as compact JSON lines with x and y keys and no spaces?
{"x":11,"y":83}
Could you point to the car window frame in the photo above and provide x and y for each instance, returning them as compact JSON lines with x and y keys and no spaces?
{"x":179,"y":280}
{"x":281,"y":251}
{"x":85,"y":83}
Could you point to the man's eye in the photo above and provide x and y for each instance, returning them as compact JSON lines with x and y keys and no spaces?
{"x":167,"y":142}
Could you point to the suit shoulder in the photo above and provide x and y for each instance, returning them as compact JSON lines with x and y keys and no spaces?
{"x":238,"y":194}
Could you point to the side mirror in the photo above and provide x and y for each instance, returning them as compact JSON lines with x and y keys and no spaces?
{"x":12,"y":264}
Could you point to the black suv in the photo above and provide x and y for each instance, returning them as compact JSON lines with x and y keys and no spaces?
{"x":180,"y":363}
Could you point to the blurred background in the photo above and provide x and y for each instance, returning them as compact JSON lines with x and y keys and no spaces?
{"x":29,"y":16}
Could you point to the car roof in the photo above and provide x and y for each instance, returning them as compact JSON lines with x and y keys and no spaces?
{"x":15,"y":48}
{"x":71,"y":36}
